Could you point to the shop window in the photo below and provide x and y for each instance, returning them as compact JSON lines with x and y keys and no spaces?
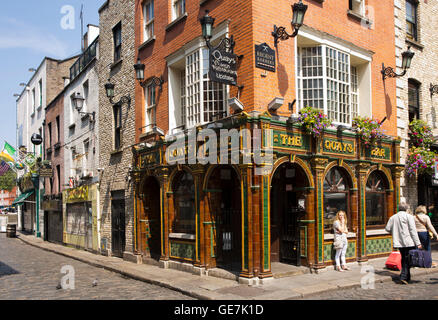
{"x":336,"y":198}
{"x":413,"y":99}
{"x":411,"y":20}
{"x":375,"y":199}
{"x":333,"y":81}
{"x":184,"y":203}
{"x":195,"y":100}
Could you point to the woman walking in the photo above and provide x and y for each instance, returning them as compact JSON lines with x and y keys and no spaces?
{"x":424,"y":226}
{"x":340,"y":240}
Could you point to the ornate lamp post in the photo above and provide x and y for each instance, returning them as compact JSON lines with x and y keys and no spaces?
{"x":389,"y":72}
{"x":298,"y":11}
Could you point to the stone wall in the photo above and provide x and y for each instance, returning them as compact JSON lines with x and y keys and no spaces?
{"x":116,"y":163}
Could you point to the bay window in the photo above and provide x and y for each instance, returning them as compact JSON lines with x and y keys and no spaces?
{"x":194,"y":99}
{"x":334,"y":81}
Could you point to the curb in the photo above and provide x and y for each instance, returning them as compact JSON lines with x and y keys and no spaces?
{"x":115,"y":270}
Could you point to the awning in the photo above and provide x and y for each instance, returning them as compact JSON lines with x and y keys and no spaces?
{"x":20,"y":199}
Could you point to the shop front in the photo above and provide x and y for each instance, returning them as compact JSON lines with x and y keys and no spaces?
{"x":243,"y":217}
{"x":53,"y":218}
{"x":80,"y":217}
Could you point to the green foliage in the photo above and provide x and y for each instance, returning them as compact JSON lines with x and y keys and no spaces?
{"x":8,"y":181}
{"x":368,"y":129}
{"x":313,"y":121}
{"x":420,"y":160}
{"x":420,"y":134}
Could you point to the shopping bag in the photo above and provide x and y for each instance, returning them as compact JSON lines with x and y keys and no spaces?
{"x":394,"y":261}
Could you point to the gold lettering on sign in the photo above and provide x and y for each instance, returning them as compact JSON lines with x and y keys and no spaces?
{"x":338,"y":146}
{"x":294,"y":141}
{"x":378,"y":152}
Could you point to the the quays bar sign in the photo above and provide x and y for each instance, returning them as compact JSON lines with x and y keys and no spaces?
{"x":379,"y":152}
{"x":335,"y":146}
{"x":290,"y":140}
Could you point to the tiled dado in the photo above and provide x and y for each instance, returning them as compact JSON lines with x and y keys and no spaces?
{"x":379,"y":245}
{"x":329,"y":252}
{"x":182,"y":250}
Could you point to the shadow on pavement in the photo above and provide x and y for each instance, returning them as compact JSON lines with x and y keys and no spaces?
{"x":394,"y":278}
{"x":6,"y":270}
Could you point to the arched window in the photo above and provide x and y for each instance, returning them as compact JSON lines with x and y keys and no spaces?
{"x":184,"y":203}
{"x":336,"y":197}
{"x":375,"y":199}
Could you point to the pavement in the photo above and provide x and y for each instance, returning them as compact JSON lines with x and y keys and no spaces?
{"x":287,"y":287}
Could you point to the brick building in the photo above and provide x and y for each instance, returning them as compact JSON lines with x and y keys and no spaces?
{"x":117,"y":129}
{"x":246,"y":218}
{"x":54,"y":152}
{"x":44,"y":85}
{"x":414,"y":97}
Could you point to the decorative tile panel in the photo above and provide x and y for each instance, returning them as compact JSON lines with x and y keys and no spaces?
{"x":182,"y":250}
{"x":329,"y":252}
{"x":378,"y":246}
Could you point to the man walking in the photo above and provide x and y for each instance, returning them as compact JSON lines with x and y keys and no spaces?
{"x":405,"y":238}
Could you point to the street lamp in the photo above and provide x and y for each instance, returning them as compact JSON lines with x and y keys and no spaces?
{"x":389,"y":72}
{"x":207,"y":23}
{"x":109,"y":89}
{"x":298,"y":11}
{"x":78,"y":103}
{"x":139,"y":73}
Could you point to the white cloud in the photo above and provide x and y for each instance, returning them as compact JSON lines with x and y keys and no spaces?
{"x":15,"y":34}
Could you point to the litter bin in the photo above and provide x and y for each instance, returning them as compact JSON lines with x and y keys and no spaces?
{"x":11,"y":230}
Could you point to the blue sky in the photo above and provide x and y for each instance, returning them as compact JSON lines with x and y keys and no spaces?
{"x":30,"y":31}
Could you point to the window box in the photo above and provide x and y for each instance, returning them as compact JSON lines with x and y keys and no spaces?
{"x":176,"y":21}
{"x":146,"y":43}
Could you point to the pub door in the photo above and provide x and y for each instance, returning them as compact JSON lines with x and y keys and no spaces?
{"x":286,"y":214}
{"x":226,"y":210}
{"x":118,"y":226}
{"x":150,"y":219}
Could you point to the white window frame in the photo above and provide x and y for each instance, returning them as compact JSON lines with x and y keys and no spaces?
{"x":148,"y":24}
{"x":150,"y":106}
{"x":175,"y":12}
{"x":319,"y":39}
{"x":358,"y":7}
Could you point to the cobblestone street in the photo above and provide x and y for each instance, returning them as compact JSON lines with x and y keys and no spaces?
{"x":423,"y":287}
{"x":27,"y":272}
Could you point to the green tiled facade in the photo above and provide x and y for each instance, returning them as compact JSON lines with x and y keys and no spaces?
{"x":329,"y":252}
{"x":377,"y":246}
{"x":182,"y":250}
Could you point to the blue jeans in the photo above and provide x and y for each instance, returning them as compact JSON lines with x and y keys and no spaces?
{"x":425,"y":240}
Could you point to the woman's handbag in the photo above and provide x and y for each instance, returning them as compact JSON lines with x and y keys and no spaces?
{"x":338,"y":244}
{"x":425,"y":225}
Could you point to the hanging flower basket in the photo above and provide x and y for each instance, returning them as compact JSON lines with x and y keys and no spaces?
{"x":368,"y":129}
{"x":313,"y":121}
{"x":420,"y":160}
{"x":420,"y":134}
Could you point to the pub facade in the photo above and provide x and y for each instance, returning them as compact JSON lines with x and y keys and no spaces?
{"x":194,"y":207}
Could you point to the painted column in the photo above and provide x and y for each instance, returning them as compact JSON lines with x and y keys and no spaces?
{"x":166,"y":204}
{"x":362,"y":170}
{"x":247,"y":264}
{"x":198,"y":172}
{"x":318,"y":165}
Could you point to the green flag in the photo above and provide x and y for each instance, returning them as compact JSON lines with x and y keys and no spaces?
{"x":9,"y":149}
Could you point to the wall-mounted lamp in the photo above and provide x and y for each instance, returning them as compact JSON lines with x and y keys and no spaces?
{"x":389,"y":72}
{"x":139,"y":73}
{"x":109,"y":88}
{"x":235,"y":104}
{"x":298,"y":11}
{"x":294,"y":118}
{"x":275,"y":104}
{"x":78,"y":104}
{"x":433,"y":89}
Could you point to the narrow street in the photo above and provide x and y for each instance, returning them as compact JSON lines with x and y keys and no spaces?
{"x":29,"y":273}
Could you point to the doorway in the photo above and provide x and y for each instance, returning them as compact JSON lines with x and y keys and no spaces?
{"x":225,"y":206}
{"x":118,"y":223}
{"x":287,"y":194}
{"x":150,"y":219}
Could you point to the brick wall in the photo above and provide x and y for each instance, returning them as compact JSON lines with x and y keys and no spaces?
{"x":116,"y":165}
